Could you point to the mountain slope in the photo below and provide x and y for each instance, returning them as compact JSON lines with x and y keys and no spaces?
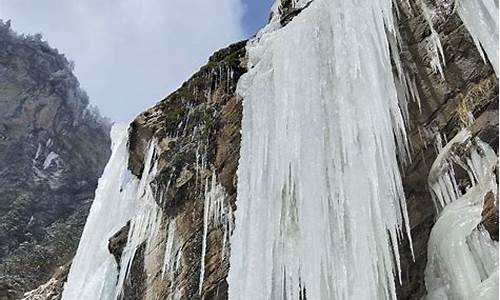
{"x":52,"y":151}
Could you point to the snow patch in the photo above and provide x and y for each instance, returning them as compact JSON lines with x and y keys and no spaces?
{"x":51,"y":157}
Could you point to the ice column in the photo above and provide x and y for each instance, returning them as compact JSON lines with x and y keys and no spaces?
{"x":320,"y":205}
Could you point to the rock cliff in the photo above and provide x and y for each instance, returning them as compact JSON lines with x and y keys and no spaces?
{"x":202,"y":119}
{"x":53,"y":148}
{"x":197,"y":132}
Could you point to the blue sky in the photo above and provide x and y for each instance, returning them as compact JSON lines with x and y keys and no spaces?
{"x":256,"y":14}
{"x":130,"y":54}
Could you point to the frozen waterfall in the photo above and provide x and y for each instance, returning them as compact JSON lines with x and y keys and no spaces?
{"x":93,"y":272}
{"x":120,"y":198}
{"x":320,"y":206}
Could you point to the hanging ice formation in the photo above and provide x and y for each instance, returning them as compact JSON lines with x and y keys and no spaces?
{"x":120,"y":197}
{"x":481,"y":19}
{"x":462,"y":258}
{"x":320,"y":206}
{"x":438,"y":61}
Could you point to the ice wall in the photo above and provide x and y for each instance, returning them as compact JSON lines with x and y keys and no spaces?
{"x":462,"y":258}
{"x":320,"y":204}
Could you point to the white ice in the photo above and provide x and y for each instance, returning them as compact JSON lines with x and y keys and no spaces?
{"x":38,"y":151}
{"x":320,"y":205}
{"x":93,"y":273}
{"x":441,"y":177}
{"x":481,"y":19}
{"x":49,"y":159}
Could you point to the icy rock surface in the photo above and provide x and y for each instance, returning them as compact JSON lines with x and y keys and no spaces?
{"x":320,"y":204}
{"x":146,"y":219}
{"x":438,"y":60}
{"x":480,"y":17}
{"x":93,"y":272}
{"x":462,"y":258}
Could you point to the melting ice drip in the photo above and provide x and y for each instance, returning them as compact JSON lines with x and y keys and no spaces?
{"x":462,"y":258}
{"x":320,"y":201}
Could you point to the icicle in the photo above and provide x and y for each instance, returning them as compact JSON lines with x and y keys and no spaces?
{"x":440,"y":178}
{"x":320,"y":201}
{"x":172,"y":257}
{"x":216,"y":212}
{"x":438,"y":60}
{"x":481,"y":19}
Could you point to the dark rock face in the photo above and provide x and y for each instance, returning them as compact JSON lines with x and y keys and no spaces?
{"x":52,"y":151}
{"x":288,"y":10}
{"x":135,"y":285}
{"x":118,"y":242}
{"x":490,"y":216}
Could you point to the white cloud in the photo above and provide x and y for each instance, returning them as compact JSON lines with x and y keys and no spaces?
{"x":130,"y":53}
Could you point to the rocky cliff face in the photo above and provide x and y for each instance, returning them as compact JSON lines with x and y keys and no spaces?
{"x":466,"y":97}
{"x":198,"y":126}
{"x":53,"y":149}
{"x":198,"y":131}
